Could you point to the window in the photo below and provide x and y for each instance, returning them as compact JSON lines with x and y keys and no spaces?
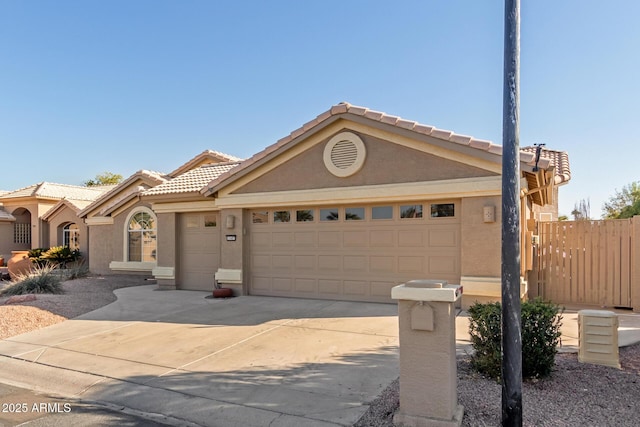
{"x":304,"y":215}
{"x":382,"y":212}
{"x":260,"y":217}
{"x":354,"y":214}
{"x":330,"y":214}
{"x":71,"y":236}
{"x":281,"y":216}
{"x":21,"y":232}
{"x":142,"y":237}
{"x":411,"y":211}
{"x":210,"y":220}
{"x":442,"y":210}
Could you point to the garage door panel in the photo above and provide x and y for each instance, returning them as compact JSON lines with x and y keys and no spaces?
{"x":261,"y":240}
{"x":306,"y":285}
{"x":200,"y":261}
{"x":411,"y":238}
{"x":305,"y":239}
{"x":411,"y":264}
{"x":259,"y":283}
{"x":281,"y":262}
{"x":383,"y":264}
{"x":355,"y":263}
{"x":329,"y":239}
{"x":329,"y":287}
{"x":330,"y":262}
{"x":382,"y":289}
{"x":305,"y":262}
{"x":355,"y":239}
{"x":282,"y":284}
{"x":443,"y":238}
{"x":282,"y":240}
{"x":355,"y":287}
{"x":382,"y":238}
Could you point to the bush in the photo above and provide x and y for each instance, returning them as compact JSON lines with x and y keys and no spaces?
{"x":40,"y":280}
{"x":58,"y":255}
{"x":36,"y":256}
{"x":61,"y":255}
{"x":541,"y":323}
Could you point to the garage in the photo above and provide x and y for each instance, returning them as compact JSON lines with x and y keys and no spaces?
{"x":199,"y":250}
{"x":352,"y":252}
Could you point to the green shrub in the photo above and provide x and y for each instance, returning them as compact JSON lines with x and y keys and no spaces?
{"x":40,"y":280}
{"x":61,"y":255}
{"x":541,"y":323}
{"x":57,"y":255}
{"x":37,"y":256}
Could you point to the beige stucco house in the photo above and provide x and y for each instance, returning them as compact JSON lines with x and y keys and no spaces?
{"x":45,"y":215}
{"x":345,"y":207}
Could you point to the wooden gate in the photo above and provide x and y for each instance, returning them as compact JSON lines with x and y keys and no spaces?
{"x":586,"y":262}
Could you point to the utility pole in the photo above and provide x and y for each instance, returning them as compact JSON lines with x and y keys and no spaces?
{"x":511,"y":325}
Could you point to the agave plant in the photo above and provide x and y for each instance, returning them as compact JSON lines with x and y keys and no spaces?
{"x":40,"y":280}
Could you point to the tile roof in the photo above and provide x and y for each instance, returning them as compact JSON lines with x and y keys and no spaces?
{"x":193,"y":180}
{"x":50,"y":190}
{"x":558,"y":159}
{"x":6,"y":216}
{"x":206,"y":157}
{"x":155,"y":177}
{"x":344,"y":108}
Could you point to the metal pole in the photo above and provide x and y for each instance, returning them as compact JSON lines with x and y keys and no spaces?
{"x":511,"y":334}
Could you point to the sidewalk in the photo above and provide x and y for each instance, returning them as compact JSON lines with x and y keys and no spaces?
{"x":628,"y":329}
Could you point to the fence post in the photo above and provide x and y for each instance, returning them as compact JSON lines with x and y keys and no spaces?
{"x":635,"y":263}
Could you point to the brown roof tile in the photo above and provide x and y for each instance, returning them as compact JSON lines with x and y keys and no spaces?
{"x":558,"y":159}
{"x":345,"y":108}
{"x":193,"y":180}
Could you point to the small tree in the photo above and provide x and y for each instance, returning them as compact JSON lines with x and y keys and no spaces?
{"x":581,"y":210}
{"x":625,"y":203}
{"x":106,"y":178}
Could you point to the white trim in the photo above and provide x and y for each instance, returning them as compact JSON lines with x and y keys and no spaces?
{"x":99,"y":220}
{"x":165,"y":273}
{"x":383,"y":193}
{"x":132,"y":266}
{"x":171,"y":207}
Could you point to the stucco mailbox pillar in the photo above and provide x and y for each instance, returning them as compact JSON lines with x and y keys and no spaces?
{"x":428,"y":370}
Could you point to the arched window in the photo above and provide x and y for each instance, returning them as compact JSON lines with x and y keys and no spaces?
{"x":142,"y":237}
{"x":71,"y":236}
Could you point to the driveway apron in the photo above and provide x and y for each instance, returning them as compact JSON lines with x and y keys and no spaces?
{"x":246,"y":361}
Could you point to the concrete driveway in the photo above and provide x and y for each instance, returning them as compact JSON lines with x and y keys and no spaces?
{"x":247,"y":361}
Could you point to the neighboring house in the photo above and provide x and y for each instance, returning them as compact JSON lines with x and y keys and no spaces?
{"x":345,"y":207}
{"x":44,"y":215}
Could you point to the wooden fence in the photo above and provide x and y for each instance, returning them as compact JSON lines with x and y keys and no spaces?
{"x":588,"y":263}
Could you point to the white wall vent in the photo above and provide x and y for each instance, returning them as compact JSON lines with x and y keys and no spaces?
{"x":598,"y":336}
{"x":344,"y":154}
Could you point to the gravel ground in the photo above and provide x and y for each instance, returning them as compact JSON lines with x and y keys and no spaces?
{"x":576,"y":394}
{"x":80,"y":296}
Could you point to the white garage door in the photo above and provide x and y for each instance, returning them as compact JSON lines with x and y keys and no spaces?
{"x":199,"y":250}
{"x":353,"y":252}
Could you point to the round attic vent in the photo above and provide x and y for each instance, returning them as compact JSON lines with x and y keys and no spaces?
{"x":344,"y":154}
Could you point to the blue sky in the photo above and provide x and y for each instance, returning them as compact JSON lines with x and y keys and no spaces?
{"x":88,"y":86}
